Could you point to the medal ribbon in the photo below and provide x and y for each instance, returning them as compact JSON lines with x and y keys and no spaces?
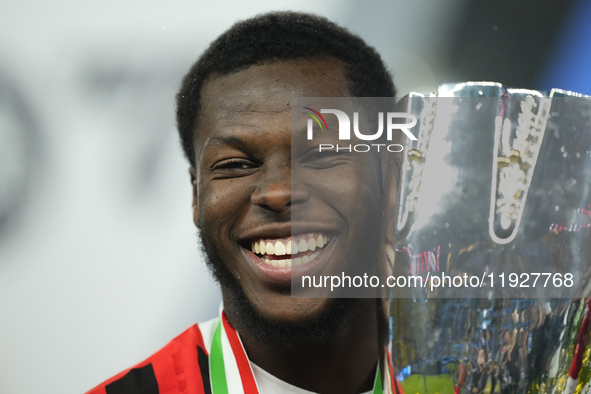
{"x":219,"y":383}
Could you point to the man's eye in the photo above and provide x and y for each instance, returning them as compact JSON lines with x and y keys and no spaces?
{"x":233,"y":165}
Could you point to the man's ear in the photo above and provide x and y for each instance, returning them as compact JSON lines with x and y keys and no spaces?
{"x":195,"y":201}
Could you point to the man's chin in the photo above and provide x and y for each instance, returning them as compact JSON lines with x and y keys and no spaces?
{"x":292,"y":311}
{"x":290,"y":327}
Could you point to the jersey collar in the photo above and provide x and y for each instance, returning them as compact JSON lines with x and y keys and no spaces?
{"x":231,"y":372}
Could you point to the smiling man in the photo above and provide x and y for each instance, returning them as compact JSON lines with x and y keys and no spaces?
{"x":267,"y":210}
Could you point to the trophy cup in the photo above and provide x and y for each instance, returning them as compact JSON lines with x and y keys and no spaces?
{"x":489,"y":243}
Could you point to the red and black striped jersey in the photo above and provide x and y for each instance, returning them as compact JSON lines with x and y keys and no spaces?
{"x":182,"y":366}
{"x":187,"y":364}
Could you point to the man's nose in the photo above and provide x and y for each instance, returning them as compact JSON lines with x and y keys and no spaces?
{"x":276,"y":192}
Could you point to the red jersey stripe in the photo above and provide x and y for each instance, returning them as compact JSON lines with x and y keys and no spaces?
{"x":246,"y":374}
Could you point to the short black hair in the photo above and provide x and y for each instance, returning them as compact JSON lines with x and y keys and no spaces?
{"x":279,"y":36}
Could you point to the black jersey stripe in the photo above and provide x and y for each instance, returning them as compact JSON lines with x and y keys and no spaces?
{"x":136,"y":381}
{"x":203,"y":361}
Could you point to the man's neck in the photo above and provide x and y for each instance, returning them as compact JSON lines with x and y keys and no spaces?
{"x":345,"y":363}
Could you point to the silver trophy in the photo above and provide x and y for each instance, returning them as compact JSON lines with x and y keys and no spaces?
{"x":489,"y":242}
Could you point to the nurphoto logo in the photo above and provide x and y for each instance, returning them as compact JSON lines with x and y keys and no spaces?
{"x":404,"y":121}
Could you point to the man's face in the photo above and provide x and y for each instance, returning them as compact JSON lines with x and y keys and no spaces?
{"x":247,"y":192}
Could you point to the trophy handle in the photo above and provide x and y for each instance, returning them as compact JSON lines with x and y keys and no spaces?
{"x":517,"y":142}
{"x":424,"y":108}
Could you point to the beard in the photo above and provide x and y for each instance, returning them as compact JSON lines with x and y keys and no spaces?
{"x":281,"y":335}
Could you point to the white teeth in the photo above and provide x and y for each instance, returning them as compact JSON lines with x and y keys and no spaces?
{"x":269,"y":248}
{"x":288,"y":249}
{"x":312,"y":244}
{"x":320,"y":241}
{"x":262,"y":247}
{"x":291,"y":247}
{"x":302,"y":246}
{"x":279,"y":248}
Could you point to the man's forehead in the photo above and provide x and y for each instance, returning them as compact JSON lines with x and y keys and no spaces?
{"x":269,"y":87}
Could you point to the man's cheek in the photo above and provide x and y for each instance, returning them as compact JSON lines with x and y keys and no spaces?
{"x":207,"y":211}
{"x":218,"y":210}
